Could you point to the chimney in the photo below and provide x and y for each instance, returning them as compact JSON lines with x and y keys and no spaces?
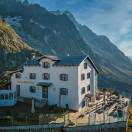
{"x":33,"y":56}
{"x":68,"y":54}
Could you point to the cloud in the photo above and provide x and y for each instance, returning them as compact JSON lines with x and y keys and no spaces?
{"x":115,"y":22}
{"x":126,"y":46}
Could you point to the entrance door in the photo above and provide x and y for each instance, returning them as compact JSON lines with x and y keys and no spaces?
{"x":45,"y":92}
{"x":18,"y":90}
{"x":87,"y":102}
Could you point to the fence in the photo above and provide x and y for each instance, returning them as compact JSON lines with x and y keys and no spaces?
{"x":38,"y":119}
{"x":118,"y":127}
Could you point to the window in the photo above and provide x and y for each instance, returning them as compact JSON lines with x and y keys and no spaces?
{"x":46,"y":65}
{"x":85,"y":65}
{"x":14,"y":94}
{"x":18,"y":75}
{"x":17,"y":90}
{"x":63,"y":77}
{"x":10,"y":96}
{"x":83,"y":90}
{"x":32,"y":76}
{"x":46,"y":76}
{"x":1,"y":97}
{"x":88,"y":88}
{"x":45,"y":93}
{"x":88,"y":75}
{"x":64,"y":91}
{"x":83,"y":104}
{"x":32,"y":89}
{"x":83,"y":76}
{"x":6,"y":96}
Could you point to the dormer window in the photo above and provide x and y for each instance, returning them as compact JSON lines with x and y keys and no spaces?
{"x":18,"y":75}
{"x":46,"y":65}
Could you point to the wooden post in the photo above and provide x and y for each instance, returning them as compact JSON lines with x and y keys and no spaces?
{"x":60,"y":100}
{"x":89,"y":119}
{"x":64,"y":118}
{"x":103,"y":117}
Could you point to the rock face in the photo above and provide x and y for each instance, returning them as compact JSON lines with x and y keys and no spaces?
{"x":60,"y":34}
{"x":13,"y":51}
{"x":116,"y":68}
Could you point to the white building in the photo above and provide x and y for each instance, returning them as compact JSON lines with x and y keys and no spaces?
{"x":69,"y":81}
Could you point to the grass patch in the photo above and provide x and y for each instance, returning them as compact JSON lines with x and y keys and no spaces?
{"x":129,"y":129}
{"x":129,"y":123}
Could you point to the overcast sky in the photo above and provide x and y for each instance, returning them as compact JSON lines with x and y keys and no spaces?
{"x":112,"y":18}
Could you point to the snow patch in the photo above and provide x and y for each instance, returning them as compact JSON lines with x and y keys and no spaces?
{"x":41,"y":26}
{"x":54,"y":31}
{"x":31,"y":21}
{"x":46,"y":39}
{"x":14,"y":21}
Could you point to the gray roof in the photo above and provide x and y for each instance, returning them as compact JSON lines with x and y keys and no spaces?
{"x":61,"y":61}
{"x":70,"y":60}
{"x":55,"y":58}
{"x":74,"y":60}
{"x":16,"y":71}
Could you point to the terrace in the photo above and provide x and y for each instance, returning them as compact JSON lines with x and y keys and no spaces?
{"x":107,"y":109}
{"x":7,"y":98}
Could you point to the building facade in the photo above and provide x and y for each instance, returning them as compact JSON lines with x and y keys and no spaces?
{"x":69,"y":81}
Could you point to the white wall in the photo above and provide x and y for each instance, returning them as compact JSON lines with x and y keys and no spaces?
{"x":74,"y":83}
{"x":54,"y":89}
{"x":88,"y":81}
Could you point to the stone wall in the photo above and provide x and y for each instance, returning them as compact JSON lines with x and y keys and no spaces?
{"x":112,"y":127}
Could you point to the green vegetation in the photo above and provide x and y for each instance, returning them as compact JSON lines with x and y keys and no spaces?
{"x":9,"y":40}
{"x":13,"y":51}
{"x":4,"y":80}
{"x":130,"y":122}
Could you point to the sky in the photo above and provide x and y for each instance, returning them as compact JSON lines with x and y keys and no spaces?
{"x":112,"y":18}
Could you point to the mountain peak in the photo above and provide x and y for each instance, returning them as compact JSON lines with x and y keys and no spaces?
{"x":59,"y":34}
{"x":25,"y":2}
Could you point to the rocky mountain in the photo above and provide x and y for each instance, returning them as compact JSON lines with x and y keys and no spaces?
{"x":60,"y":34}
{"x":130,"y":57}
{"x":13,"y":51}
{"x":114,"y":64}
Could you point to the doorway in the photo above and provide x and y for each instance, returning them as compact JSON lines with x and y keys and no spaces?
{"x":17,"y":90}
{"x":45,"y":92}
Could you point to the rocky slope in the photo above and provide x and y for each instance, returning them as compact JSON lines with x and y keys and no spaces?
{"x":114,"y":64}
{"x":13,"y":51}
